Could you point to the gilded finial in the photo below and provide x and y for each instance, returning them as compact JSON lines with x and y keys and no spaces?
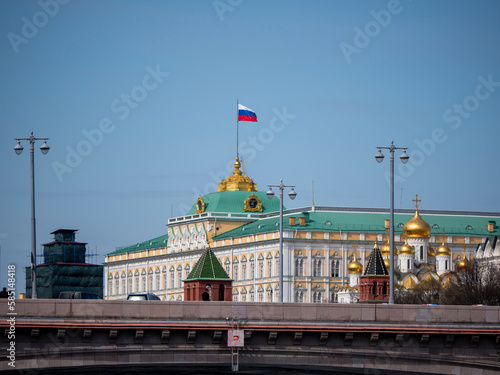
{"x":237,"y":181}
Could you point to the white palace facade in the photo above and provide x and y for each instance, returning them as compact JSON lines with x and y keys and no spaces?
{"x":319,"y":245}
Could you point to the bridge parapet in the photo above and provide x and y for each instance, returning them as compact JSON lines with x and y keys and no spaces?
{"x":285,"y":312}
{"x":432,"y":339}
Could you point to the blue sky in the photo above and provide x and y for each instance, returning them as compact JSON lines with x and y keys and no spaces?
{"x":138,"y":99}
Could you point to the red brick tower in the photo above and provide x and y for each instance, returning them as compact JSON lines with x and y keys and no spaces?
{"x":208,"y":281}
{"x":374,"y":284}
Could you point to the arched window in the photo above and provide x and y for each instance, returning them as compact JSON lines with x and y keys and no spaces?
{"x":317,"y":297}
{"x":235,"y":271}
{"x":269,"y":295}
{"x":179,"y":277}
{"x":129,"y":284}
{"x":421,"y":252}
{"x":375,"y":291}
{"x":252,"y":269}
{"x":172,"y":278}
{"x":335,"y":268}
{"x":299,"y":267}
{"x":335,"y":297}
{"x":299,"y":296}
{"x":158,"y":281}
{"x":243,"y":271}
{"x":317,"y":266}
{"x":384,"y":288}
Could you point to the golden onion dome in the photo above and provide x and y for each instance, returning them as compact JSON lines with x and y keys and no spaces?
{"x":355,"y":266}
{"x":237,"y":181}
{"x":406,"y":249}
{"x":443,"y":250}
{"x":463,"y":264}
{"x":417,"y":227}
{"x":387,"y":263}
{"x":386,"y":249}
{"x":431,"y":253}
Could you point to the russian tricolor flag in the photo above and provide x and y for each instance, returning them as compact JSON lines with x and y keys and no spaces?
{"x":246,"y":114}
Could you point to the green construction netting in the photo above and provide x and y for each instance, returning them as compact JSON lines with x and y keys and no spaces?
{"x":52,"y":279}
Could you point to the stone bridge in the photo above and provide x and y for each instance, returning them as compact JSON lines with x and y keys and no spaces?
{"x":310,"y":338}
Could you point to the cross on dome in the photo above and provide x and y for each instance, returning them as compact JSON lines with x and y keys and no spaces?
{"x":416,"y":200}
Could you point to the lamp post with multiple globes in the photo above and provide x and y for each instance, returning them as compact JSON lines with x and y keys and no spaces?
{"x":19,"y":149}
{"x":404,"y":159}
{"x":292,"y":194}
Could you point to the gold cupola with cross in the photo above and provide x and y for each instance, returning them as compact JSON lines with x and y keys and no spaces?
{"x":443,"y":249}
{"x":355,"y":266}
{"x":464,"y":264}
{"x":417,"y":227}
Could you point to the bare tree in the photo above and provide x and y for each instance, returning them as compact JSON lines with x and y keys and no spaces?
{"x":426,"y":292}
{"x":478,"y":285}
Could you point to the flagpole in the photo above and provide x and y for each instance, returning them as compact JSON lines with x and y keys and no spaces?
{"x":237,"y":128}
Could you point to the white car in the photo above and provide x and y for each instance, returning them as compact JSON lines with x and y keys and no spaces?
{"x":143,"y":297}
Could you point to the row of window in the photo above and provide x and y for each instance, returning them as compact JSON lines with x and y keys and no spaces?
{"x":144,"y":283}
{"x":249,"y":274}
{"x":156,"y":282}
{"x":270,"y":296}
{"x":317,"y":269}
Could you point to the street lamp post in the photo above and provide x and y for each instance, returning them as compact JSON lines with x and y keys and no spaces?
{"x":292,"y":194}
{"x":19,"y":149}
{"x":404,"y":159}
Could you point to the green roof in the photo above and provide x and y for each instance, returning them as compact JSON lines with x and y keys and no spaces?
{"x":233,"y":201}
{"x":336,"y":220}
{"x":208,"y":267}
{"x":349,"y":221}
{"x":155,"y":243}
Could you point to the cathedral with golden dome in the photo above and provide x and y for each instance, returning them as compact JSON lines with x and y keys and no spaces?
{"x":326,"y":249}
{"x":415,"y":260}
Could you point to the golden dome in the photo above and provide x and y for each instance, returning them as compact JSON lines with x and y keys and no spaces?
{"x":463,"y":264}
{"x":386,"y":249}
{"x":355,"y":266}
{"x":387,"y":262}
{"x":237,"y":182}
{"x":417,"y":227}
{"x":406,"y":249}
{"x":431,"y":253}
{"x":443,"y":250}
